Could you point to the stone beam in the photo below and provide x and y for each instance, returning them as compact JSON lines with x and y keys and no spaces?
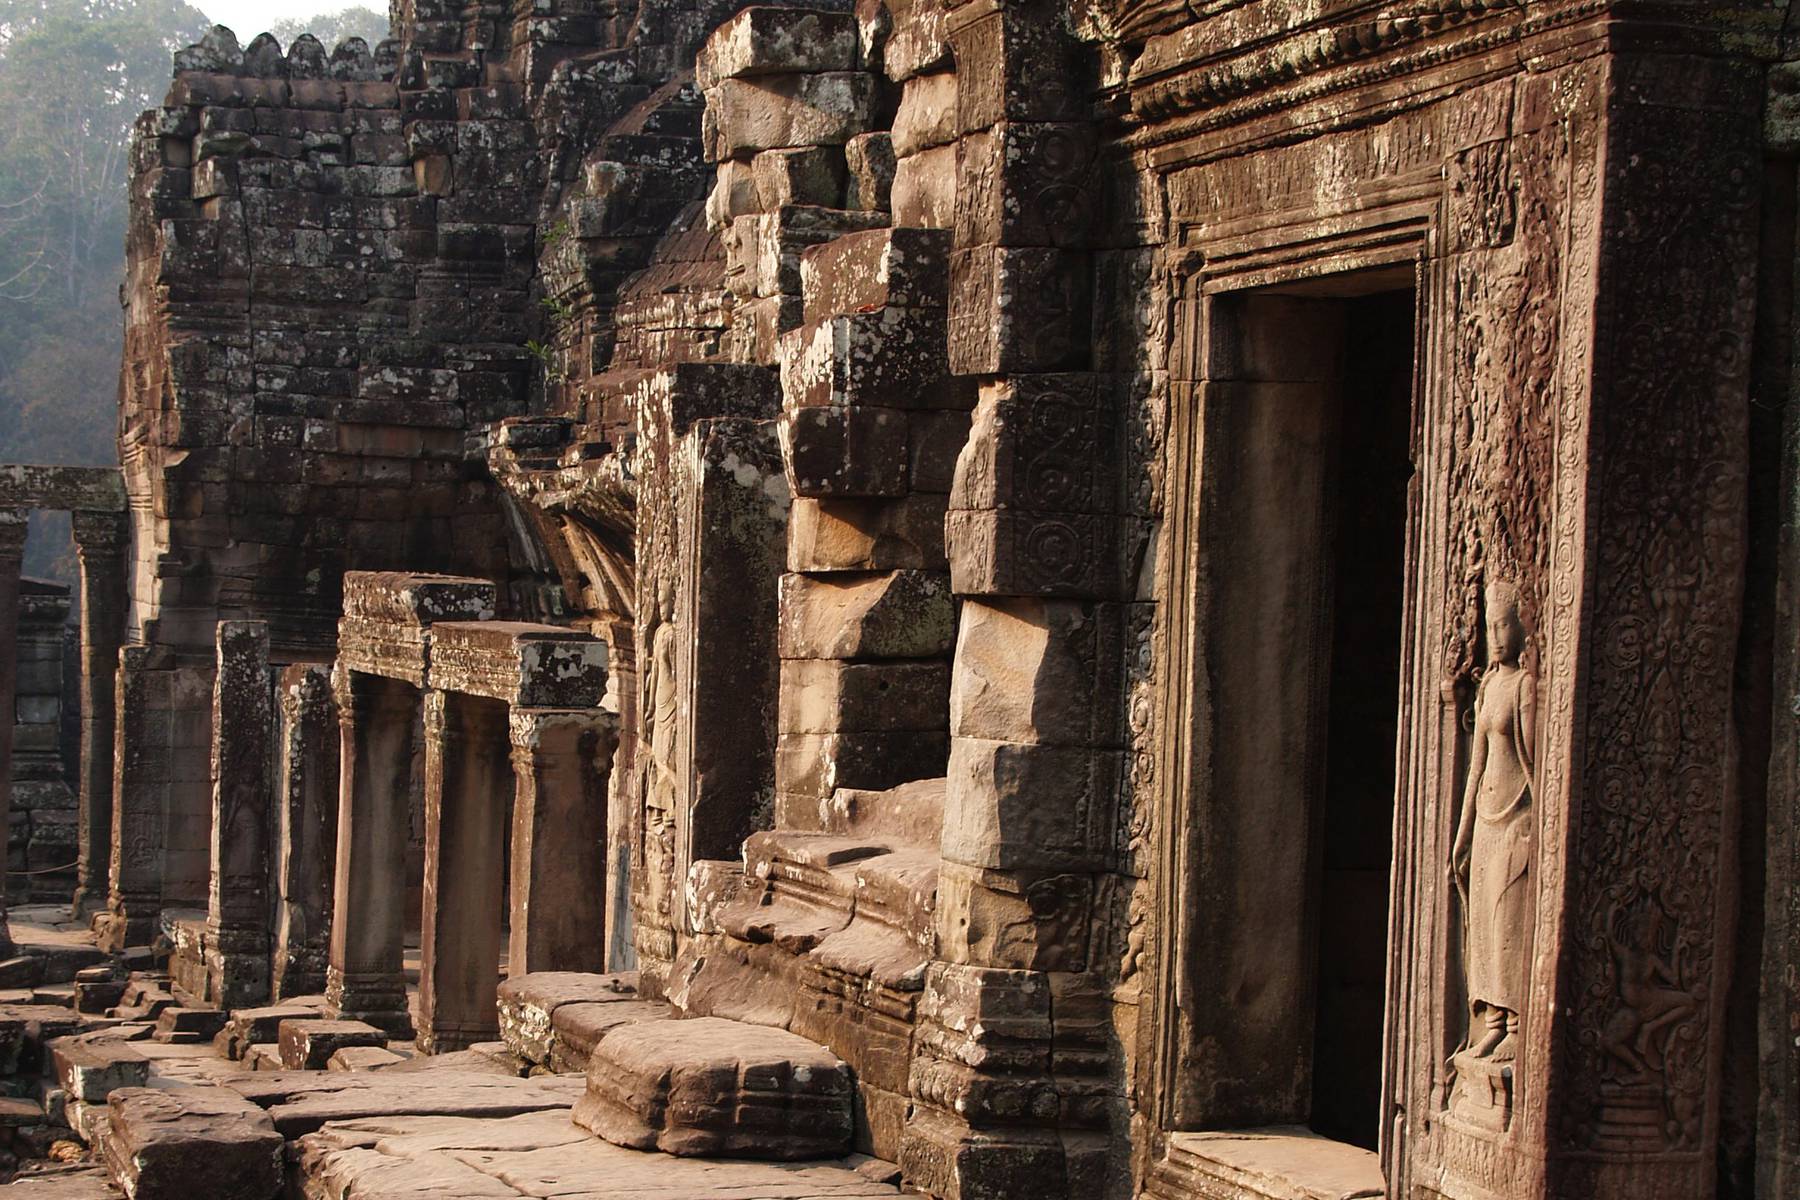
{"x":74,"y":489}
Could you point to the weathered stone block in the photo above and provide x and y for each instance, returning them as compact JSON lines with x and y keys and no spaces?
{"x":765,"y":40}
{"x":809,"y":175}
{"x":1048,"y":443}
{"x":897,"y":614}
{"x":256,"y":1026}
{"x":733,"y":194}
{"x":848,"y":534}
{"x":845,"y":451}
{"x":519,"y":662}
{"x":528,"y":1005}
{"x":180,"y":1143}
{"x":1024,"y":184}
{"x":1015,"y":63}
{"x":869,"y":161}
{"x":578,"y":1027}
{"x":1039,"y":671}
{"x":889,"y":358}
{"x":90,"y":1070}
{"x":307,"y":1045}
{"x":1017,"y":310}
{"x":927,"y":113}
{"x":859,"y":272}
{"x":923,"y":194}
{"x":816,"y":765}
{"x":1011,"y":552}
{"x":762,"y":251}
{"x":828,"y":695}
{"x":747,"y":116}
{"x":1011,"y":806}
{"x":710,"y":1086}
{"x":1031,"y":922}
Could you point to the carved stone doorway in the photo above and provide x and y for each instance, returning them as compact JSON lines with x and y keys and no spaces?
{"x":1298,"y":527}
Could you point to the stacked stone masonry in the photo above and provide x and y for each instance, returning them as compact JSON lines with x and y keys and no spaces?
{"x":995,"y":597}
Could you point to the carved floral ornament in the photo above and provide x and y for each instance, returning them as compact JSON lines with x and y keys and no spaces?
{"x":1166,"y":81}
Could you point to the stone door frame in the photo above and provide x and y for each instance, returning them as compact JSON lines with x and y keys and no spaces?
{"x":1400,"y":237}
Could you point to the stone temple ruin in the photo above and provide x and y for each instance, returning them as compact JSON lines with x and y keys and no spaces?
{"x":979,"y":599}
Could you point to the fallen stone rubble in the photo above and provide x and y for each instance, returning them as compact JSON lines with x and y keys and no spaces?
{"x":594,"y":1092}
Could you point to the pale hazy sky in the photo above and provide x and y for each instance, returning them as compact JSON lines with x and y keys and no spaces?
{"x":247,"y":18}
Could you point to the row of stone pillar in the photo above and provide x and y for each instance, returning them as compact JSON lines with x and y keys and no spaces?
{"x":101,"y":538}
{"x":334,"y":843}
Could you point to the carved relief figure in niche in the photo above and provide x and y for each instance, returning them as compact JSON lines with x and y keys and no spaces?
{"x":659,"y":702}
{"x":1491,"y":859}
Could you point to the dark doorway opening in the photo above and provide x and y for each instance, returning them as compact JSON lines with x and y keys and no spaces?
{"x":1356,"y":797}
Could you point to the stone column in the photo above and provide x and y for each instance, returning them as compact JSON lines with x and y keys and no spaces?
{"x":101,"y":539}
{"x":364,"y":981}
{"x":621,"y":797}
{"x":237,"y":911}
{"x":306,"y":822}
{"x":12,"y":551}
{"x":561,"y":761}
{"x":466,"y":793}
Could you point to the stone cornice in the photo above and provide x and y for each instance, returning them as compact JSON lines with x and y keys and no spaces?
{"x":1251,"y":61}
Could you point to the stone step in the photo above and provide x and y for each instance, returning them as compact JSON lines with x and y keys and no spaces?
{"x":185,"y":1142}
{"x":185,"y":1026}
{"x":248,"y":1027}
{"x":62,"y":1181}
{"x":528,"y":1004}
{"x":710,"y":1086}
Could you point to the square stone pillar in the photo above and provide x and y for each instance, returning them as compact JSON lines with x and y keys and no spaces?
{"x":237,"y":911}
{"x":364,"y":981}
{"x":467,"y":789}
{"x":306,"y":811}
{"x":12,"y":552}
{"x":561,"y":761}
{"x":101,"y":540}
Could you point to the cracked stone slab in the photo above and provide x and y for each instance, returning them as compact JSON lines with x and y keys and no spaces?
{"x":544,"y":1155}
{"x":299,"y":1102}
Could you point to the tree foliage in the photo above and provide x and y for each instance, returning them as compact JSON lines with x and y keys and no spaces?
{"x":330,"y":27}
{"x":74,"y":74}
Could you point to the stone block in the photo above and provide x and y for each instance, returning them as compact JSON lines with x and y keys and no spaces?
{"x":528,"y":1004}
{"x":916,"y":42}
{"x":894,"y":614}
{"x":809,"y":175}
{"x":362,"y":1058}
{"x":849,"y":534}
{"x":1012,"y":806}
{"x":869,"y":163}
{"x":828,"y":695}
{"x":909,"y":814}
{"x":1016,"y":62}
{"x":714,"y":1087}
{"x":1048,"y":443}
{"x":845,"y":451}
{"x":1039,"y":671}
{"x":889,"y":358}
{"x":766,"y":40}
{"x":521,"y":663}
{"x":934,"y":442}
{"x":762,"y":251}
{"x":860,"y":272}
{"x":188,"y":1025}
{"x":746,"y":116}
{"x":927,"y":113}
{"x":1024,"y":922}
{"x":923,"y":194}
{"x":733,"y":194}
{"x":1027,"y":184}
{"x":91,"y":1069}
{"x":307,"y":1045}
{"x":1017,"y":310}
{"x":1010,"y":552}
{"x":257,"y":1026}
{"x":816,"y":765}
{"x":578,"y":1027}
{"x":181,"y":1143}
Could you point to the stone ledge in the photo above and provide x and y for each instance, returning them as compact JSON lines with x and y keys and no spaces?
{"x":1284,"y":1162}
